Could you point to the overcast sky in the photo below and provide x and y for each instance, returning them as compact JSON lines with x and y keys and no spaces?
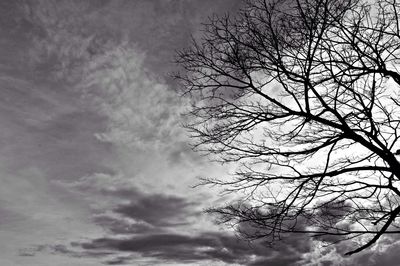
{"x":95,"y":168}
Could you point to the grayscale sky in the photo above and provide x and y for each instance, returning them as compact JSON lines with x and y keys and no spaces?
{"x":95,"y":168}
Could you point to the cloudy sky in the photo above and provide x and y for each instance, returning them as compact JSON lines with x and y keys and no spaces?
{"x":95,"y":168}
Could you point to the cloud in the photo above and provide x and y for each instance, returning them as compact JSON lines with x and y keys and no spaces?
{"x":155,"y":226}
{"x":120,"y":260}
{"x":119,"y":225}
{"x":159,"y":227}
{"x":158,"y":210}
{"x":126,"y":209}
{"x":107,"y":69}
{"x":142,"y":112}
{"x":146,"y":213}
{"x":208,"y":246}
{"x":175,"y":247}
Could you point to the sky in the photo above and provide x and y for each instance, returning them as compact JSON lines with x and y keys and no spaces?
{"x":95,"y":167}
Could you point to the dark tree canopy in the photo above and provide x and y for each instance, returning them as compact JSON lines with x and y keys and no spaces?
{"x":304,"y":96}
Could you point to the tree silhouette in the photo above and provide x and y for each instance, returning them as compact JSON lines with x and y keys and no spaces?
{"x":304,"y":97}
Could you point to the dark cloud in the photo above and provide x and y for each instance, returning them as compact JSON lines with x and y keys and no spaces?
{"x":134,"y":210}
{"x":148,"y":225}
{"x":390,"y":256}
{"x":208,"y":246}
{"x":177,"y":247}
{"x":385,"y":252}
{"x":120,"y":260}
{"x":155,"y":226}
{"x":157,"y":209}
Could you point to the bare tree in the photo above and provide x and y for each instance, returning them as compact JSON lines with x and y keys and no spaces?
{"x":304,"y":97}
